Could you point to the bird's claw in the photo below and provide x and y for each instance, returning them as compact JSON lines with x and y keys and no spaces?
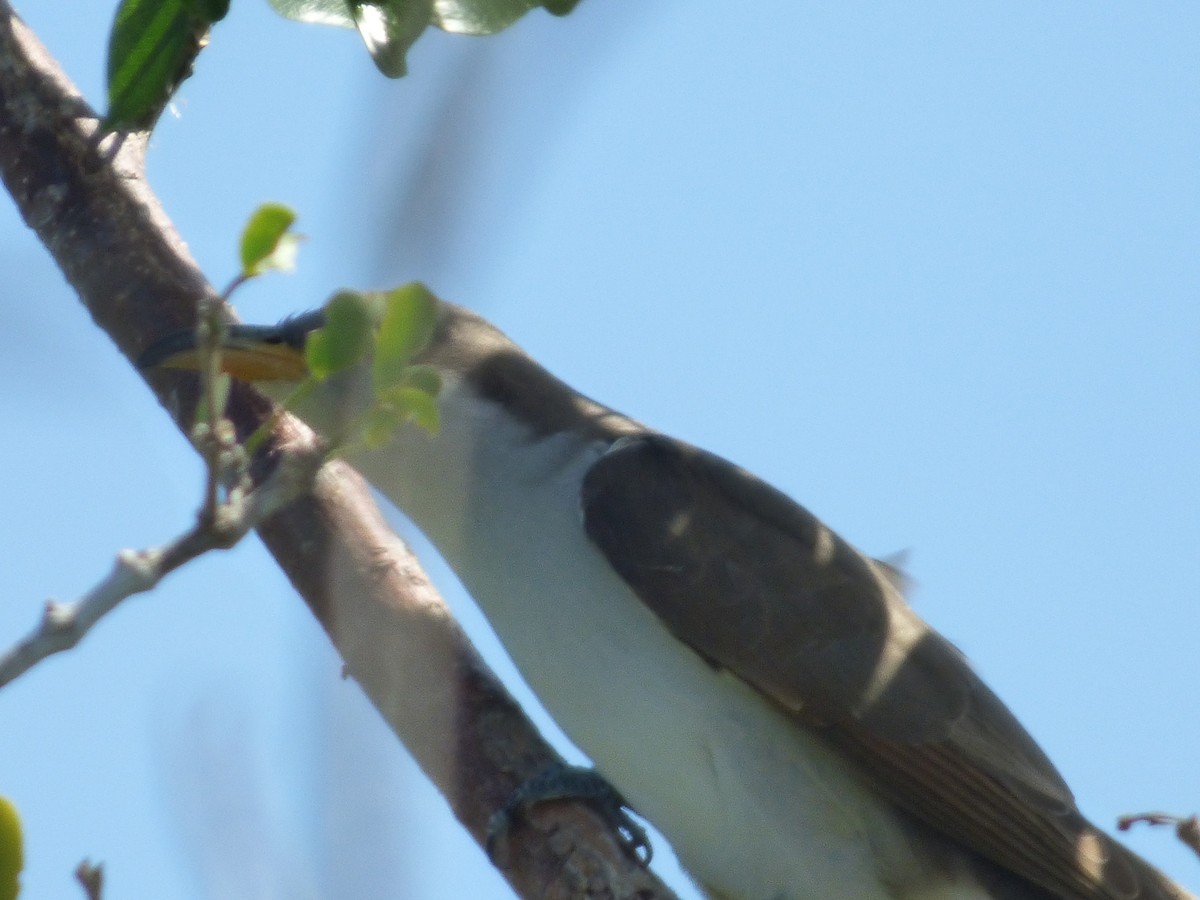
{"x":562,"y":782}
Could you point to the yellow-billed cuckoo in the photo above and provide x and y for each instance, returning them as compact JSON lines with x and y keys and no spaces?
{"x":754,"y":685}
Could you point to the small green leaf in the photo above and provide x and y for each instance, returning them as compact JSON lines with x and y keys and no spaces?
{"x":389,"y":28}
{"x":268,"y":241}
{"x":412,"y":403}
{"x":423,"y":378}
{"x":12,"y":851}
{"x":316,"y":12}
{"x":212,"y":10}
{"x":560,"y":7}
{"x":150,"y":51}
{"x":397,"y":406}
{"x":409,"y":317}
{"x":343,"y":340}
{"x":481,"y":16}
{"x":378,"y":428}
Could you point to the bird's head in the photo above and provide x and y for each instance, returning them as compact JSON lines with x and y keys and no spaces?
{"x":363,"y":361}
{"x":378,"y":351}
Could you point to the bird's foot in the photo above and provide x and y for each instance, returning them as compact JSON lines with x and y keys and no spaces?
{"x":563,"y":782}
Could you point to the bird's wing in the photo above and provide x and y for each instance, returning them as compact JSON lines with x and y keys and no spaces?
{"x":755,"y":584}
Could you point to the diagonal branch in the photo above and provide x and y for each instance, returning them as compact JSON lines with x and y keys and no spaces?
{"x":114,"y":243}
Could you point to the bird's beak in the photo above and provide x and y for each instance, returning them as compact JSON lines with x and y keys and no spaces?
{"x":249,"y":352}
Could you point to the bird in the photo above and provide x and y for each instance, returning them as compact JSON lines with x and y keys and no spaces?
{"x":746,"y":679}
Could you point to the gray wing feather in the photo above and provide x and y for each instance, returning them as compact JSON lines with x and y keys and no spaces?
{"x":754,"y":583}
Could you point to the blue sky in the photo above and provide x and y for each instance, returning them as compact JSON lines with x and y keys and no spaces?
{"x":930,"y":268}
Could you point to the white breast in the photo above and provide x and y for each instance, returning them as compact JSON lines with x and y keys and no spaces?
{"x":755,"y":807}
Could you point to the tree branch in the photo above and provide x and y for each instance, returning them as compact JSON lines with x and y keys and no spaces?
{"x":116,"y":246}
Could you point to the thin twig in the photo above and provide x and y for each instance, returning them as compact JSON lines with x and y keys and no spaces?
{"x":220,"y":524}
{"x":1187,"y":828}
{"x":63,"y":625}
{"x":215,"y":430}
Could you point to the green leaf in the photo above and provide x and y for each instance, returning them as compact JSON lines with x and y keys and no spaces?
{"x":12,"y":852}
{"x":389,"y":28}
{"x":396,"y":406}
{"x":150,"y":51}
{"x":481,"y":16}
{"x":409,"y":317}
{"x":423,"y":378}
{"x":211,"y":10}
{"x":268,"y":241}
{"x":316,"y":12}
{"x":560,"y":7}
{"x":412,"y":403}
{"x":343,"y":340}
{"x":378,"y":429}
